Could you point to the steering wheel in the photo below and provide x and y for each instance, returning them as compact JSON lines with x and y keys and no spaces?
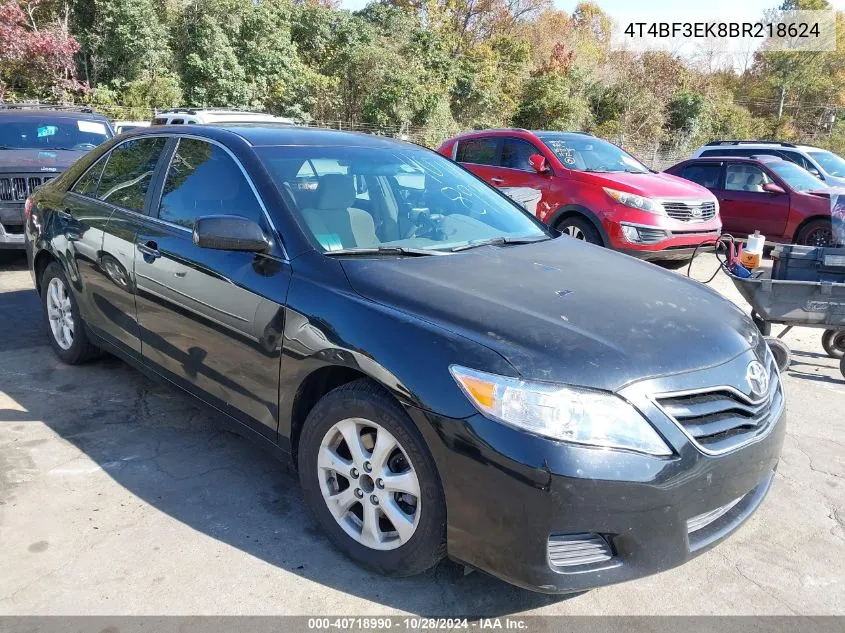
{"x":425,"y":225}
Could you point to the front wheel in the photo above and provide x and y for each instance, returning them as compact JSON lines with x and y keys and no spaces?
{"x":370,"y":481}
{"x":580,"y":229}
{"x":833,"y":342}
{"x":815,"y":233}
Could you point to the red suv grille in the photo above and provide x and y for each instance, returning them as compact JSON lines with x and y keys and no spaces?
{"x":690,"y":211}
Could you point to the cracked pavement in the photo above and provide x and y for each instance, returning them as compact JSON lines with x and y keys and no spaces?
{"x":120,"y":496}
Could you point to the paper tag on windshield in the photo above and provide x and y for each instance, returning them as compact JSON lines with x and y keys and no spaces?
{"x":94,"y":127}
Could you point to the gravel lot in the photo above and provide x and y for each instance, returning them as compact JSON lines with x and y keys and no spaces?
{"x":119,"y":496}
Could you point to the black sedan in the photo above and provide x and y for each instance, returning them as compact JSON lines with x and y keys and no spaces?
{"x":448,"y":376}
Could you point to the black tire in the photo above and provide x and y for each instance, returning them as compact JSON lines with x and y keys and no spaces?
{"x":815,"y":233}
{"x":365,"y":399}
{"x":842,"y":366}
{"x":764,"y":326}
{"x":580,"y":228}
{"x":674,"y":264}
{"x":82,"y":350}
{"x":781,"y":352}
{"x":833,"y":342}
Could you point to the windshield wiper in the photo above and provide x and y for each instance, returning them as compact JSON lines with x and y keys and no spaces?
{"x":500,"y":241}
{"x":386,"y":250}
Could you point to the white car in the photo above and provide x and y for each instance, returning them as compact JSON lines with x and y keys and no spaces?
{"x":124,"y":126}
{"x":823,"y":164}
{"x":200,"y":116}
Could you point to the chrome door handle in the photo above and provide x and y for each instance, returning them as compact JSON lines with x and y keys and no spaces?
{"x":150,"y":249}
{"x":497,"y":180}
{"x":64,"y":215}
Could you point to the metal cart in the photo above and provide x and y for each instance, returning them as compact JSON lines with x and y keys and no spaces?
{"x":790,"y":303}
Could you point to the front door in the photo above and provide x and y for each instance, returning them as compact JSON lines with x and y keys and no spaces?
{"x":745,"y":207}
{"x":205,"y":322}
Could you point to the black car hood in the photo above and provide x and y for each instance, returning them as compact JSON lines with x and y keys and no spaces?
{"x":564,"y":311}
{"x":37,"y":160}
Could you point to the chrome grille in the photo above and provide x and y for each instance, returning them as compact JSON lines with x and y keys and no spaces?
{"x":16,"y":188}
{"x":690,"y":211}
{"x":721,"y":419}
{"x":575,"y":550}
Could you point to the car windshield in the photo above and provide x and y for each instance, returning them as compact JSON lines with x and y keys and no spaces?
{"x":796,"y":177}
{"x":830,"y":162}
{"x":395,"y":199}
{"x":46,"y":133}
{"x":587,"y":153}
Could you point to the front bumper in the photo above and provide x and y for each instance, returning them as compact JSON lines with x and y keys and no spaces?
{"x":508,"y":492}
{"x":11,"y":226}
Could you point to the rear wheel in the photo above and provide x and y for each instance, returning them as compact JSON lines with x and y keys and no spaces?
{"x":781,"y":352}
{"x":370,"y":481}
{"x":815,"y":233}
{"x":833,"y":342}
{"x":581,"y":229}
{"x":65,"y":327}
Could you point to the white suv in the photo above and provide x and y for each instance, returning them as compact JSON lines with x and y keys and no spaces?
{"x":202,"y":116}
{"x":820,"y":162}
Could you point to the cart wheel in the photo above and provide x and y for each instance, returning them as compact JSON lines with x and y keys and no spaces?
{"x":781,"y":352}
{"x":764,"y":326}
{"x":833,"y":342}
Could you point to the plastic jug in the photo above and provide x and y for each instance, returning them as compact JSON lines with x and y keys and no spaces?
{"x":753,"y":251}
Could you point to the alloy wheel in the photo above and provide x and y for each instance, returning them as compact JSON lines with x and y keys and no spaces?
{"x":369,"y":484}
{"x":60,"y":313}
{"x":573,"y":231}
{"x":819,"y":237}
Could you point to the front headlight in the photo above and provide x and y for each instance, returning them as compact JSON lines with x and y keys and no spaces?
{"x":560,"y":412}
{"x":635,"y":202}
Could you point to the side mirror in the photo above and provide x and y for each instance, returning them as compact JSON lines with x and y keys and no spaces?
{"x":538,"y":162}
{"x":771,"y":187}
{"x":230,"y":233}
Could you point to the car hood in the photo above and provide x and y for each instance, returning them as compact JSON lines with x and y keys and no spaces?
{"x":564,"y":311}
{"x":37,"y":160}
{"x":660,"y":185}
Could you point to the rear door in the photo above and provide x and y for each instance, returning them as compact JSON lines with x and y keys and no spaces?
{"x":209,"y":319}
{"x":106,"y":204}
{"x":746,"y":207}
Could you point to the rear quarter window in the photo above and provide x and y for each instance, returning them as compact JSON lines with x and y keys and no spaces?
{"x":479,"y":151}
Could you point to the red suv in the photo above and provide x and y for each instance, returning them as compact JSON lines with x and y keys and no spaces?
{"x":783,"y":201}
{"x":594,"y":191}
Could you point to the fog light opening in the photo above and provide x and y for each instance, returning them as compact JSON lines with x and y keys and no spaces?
{"x":579,"y":550}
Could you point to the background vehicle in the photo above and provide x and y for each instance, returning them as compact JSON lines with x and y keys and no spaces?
{"x":823,"y":164}
{"x":393,"y":325}
{"x":765,"y":193}
{"x":594,"y":191}
{"x":125,"y":126}
{"x":37,"y":143}
{"x":201,"y":116}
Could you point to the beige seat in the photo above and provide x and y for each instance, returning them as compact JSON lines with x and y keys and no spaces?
{"x":333,"y":221}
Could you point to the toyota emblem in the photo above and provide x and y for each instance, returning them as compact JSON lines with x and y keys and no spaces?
{"x":757,"y":378}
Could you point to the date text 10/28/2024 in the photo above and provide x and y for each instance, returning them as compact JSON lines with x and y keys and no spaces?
{"x":415,"y":624}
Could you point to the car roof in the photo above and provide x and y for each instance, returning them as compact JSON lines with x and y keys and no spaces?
{"x":41,"y":113}
{"x":736,"y":159}
{"x":260,"y":134}
{"x":760,"y":144}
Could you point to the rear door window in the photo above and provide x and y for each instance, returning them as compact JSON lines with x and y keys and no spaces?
{"x":87,"y":184}
{"x":478,"y":151}
{"x":128,"y":172}
{"x":706,"y":175}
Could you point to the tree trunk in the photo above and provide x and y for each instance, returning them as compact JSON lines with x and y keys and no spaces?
{"x":780,"y":103}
